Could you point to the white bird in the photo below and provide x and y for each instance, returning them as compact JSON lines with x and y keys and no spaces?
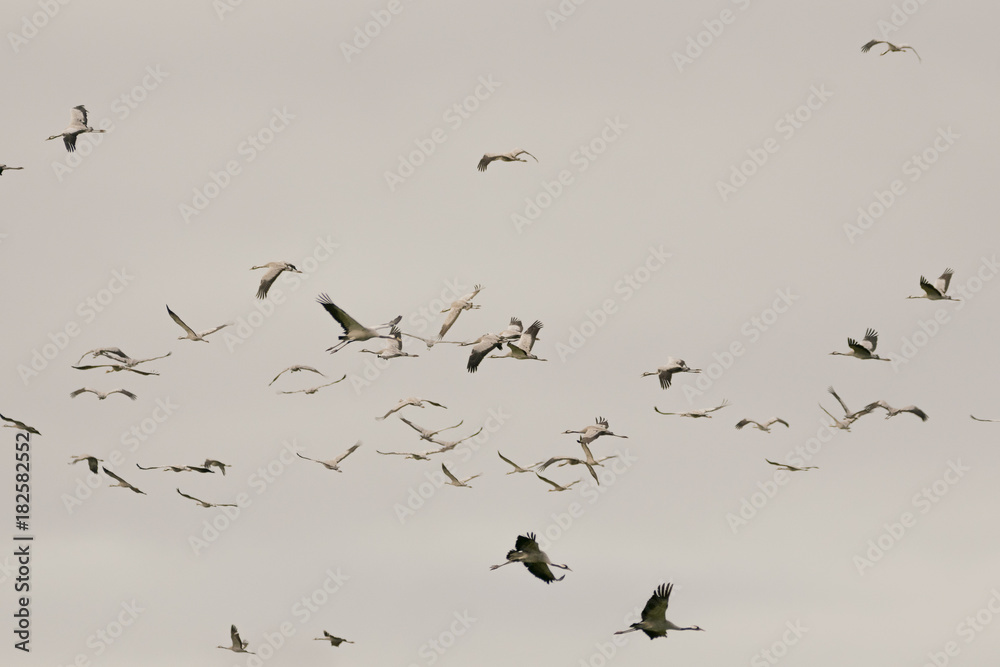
{"x":594,"y":431}
{"x":91,"y":461}
{"x":121,"y":482}
{"x":189,"y":332}
{"x":333,"y":463}
{"x":522,"y":348}
{"x":204,"y":504}
{"x":274,"y":269}
{"x":654,"y":615}
{"x":13,"y":423}
{"x":313,"y":390}
{"x":892,"y":412}
{"x":101,"y":395}
{"x":513,"y":330}
{"x":456,"y":308}
{"x":891,"y":47}
{"x":294,"y":369}
{"x":454,"y":481}
{"x":415,"y":402}
{"x":334,"y":641}
{"x":486,"y":344}
{"x":695,"y":413}
{"x":239,"y":646}
{"x":590,"y":461}
{"x":4,"y":168}
{"x":427,"y":434}
{"x":667,"y":372}
{"x":865,"y":349}
{"x":984,"y":420}
{"x":353,"y":331}
{"x":936,"y":292}
{"x":766,"y":426}
{"x":785,"y":466}
{"x":505,"y":157}
{"x":118,"y":357}
{"x":114,"y":368}
{"x":537,"y":561}
{"x":849,"y":417}
{"x":393,"y":348}
{"x":518,"y":468}
{"x":416,"y":456}
{"x":448,"y":445}
{"x":555,"y":487}
{"x":77,"y":126}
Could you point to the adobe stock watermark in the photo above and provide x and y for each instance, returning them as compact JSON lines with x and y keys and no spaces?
{"x":104,"y":637}
{"x":435,"y":647}
{"x":609,"y":474}
{"x":968,"y":629}
{"x":562,"y":12}
{"x":131,"y":440}
{"x":767,"y":490}
{"x":263,"y":309}
{"x":627,"y":287}
{"x":455,"y":115}
{"x":900,"y":15}
{"x":786,"y":126}
{"x":249,"y":149}
{"x":365,"y":33}
{"x":751,"y":330}
{"x":259,"y":481}
{"x":699,"y":43}
{"x":30,"y":25}
{"x":582,"y":158}
{"x":417,"y":496}
{"x":915,"y":167}
{"x":927,"y":329}
{"x":122,"y":106}
{"x":794,"y":631}
{"x":923,"y":501}
{"x":88,"y":309}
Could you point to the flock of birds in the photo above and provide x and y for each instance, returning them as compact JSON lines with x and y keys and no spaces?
{"x":519,"y":343}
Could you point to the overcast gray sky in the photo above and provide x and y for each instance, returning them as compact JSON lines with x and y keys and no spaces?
{"x":731,"y":183}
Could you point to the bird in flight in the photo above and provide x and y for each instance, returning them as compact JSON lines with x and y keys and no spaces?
{"x":518,"y":468}
{"x":865,"y":349}
{"x":294,"y":369}
{"x":504,"y":157}
{"x":13,"y":423}
{"x":239,"y":646}
{"x":555,"y":487}
{"x":91,"y":461}
{"x":785,"y":466}
{"x":892,"y":412}
{"x":667,"y":372}
{"x":415,"y":402}
{"x":654,"y":615}
{"x":936,"y":292}
{"x":594,"y":431}
{"x":766,"y":426}
{"x":101,"y":395}
{"x":121,"y":482}
{"x":189,"y":332}
{"x":332,"y":464}
{"x":313,"y":390}
{"x":204,"y":504}
{"x":4,"y":168}
{"x":353,"y":330}
{"x":891,"y":47}
{"x":537,"y":561}
{"x":77,"y":126}
{"x":334,"y":641}
{"x":454,"y":481}
{"x":695,"y":413}
{"x":274,"y":269}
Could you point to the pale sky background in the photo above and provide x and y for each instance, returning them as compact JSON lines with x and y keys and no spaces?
{"x":70,"y":223}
